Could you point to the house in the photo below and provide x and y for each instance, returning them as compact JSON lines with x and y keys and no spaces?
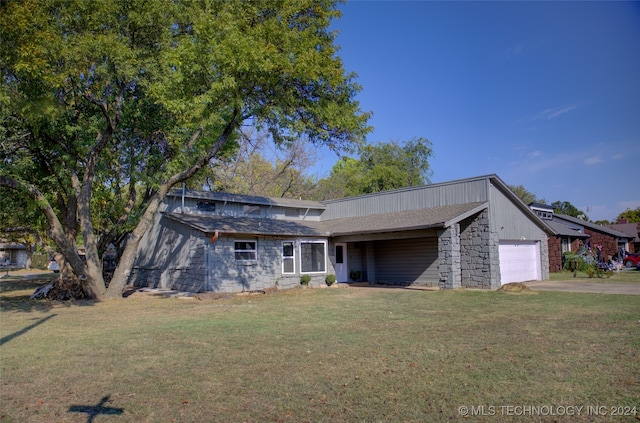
{"x":471,"y":233}
{"x":572,"y":233}
{"x":631,"y":230}
{"x":13,"y":254}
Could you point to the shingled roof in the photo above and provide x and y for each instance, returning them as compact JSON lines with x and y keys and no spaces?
{"x":436,"y":217}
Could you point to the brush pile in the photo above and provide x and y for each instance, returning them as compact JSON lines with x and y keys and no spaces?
{"x":61,"y":289}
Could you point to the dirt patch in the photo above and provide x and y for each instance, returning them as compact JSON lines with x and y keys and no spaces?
{"x":516,"y":287}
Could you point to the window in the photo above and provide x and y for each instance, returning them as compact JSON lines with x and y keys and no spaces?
{"x":313,"y":256}
{"x":339,"y":254}
{"x":291,"y":212}
{"x":245,"y":250}
{"x":565,"y":245}
{"x":251,"y":210}
{"x":205,"y":206}
{"x":288,"y":259}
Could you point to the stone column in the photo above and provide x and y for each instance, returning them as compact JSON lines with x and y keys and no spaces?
{"x":449,"y":257}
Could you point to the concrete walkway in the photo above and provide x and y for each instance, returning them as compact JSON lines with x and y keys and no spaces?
{"x":591,"y":287}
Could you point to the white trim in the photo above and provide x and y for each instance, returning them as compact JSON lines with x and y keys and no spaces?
{"x":236,"y":251}
{"x":313,"y":241}
{"x":292,"y":257}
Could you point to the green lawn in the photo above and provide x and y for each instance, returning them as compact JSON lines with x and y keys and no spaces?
{"x":320,"y":355}
{"x":624,"y":276}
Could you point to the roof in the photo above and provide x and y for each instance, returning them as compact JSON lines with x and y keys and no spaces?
{"x":541,"y":206}
{"x":12,"y":246}
{"x":436,"y":217}
{"x":566,"y":229}
{"x":592,"y":226}
{"x":249,"y":225}
{"x":631,"y":229}
{"x":248,"y":199}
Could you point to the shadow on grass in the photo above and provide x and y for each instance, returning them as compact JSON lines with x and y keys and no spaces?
{"x":25,"y":330}
{"x":13,"y":299}
{"x":21,"y":283}
{"x":95,"y":410}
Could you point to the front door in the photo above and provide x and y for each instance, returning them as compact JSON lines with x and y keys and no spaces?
{"x":342,"y":274}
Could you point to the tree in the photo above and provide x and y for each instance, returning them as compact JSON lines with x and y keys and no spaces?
{"x":111,"y":103}
{"x":380,"y":167}
{"x":565,"y":207}
{"x":630,"y":215}
{"x":260,"y":168}
{"x":526,"y":196}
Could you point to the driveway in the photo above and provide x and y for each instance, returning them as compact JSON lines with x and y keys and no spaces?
{"x":592,"y":287}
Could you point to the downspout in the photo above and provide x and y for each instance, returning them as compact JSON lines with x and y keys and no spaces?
{"x":184,"y":189}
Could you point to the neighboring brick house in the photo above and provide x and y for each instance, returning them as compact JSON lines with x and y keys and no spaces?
{"x":631,"y":230}
{"x":571,"y":233}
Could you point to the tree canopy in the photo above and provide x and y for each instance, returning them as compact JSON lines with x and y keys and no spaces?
{"x":565,"y":207}
{"x":525,"y":195}
{"x":380,"y":167}
{"x":108,"y":104}
{"x":630,"y":215}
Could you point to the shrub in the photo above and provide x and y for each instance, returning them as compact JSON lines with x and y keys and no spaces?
{"x":355,"y":275}
{"x":305,"y":279}
{"x":330,"y":279}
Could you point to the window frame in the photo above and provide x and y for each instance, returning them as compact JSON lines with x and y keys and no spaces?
{"x":236,"y":250}
{"x":292,"y":257}
{"x":313,"y":241}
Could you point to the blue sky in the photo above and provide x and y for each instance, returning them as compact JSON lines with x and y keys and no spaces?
{"x":543,"y":94}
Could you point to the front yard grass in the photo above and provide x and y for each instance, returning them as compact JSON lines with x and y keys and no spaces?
{"x":319,"y":355}
{"x":624,"y":276}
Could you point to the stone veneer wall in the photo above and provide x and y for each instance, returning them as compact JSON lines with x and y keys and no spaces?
{"x":468,"y":254}
{"x":449,"y":258}
{"x":480,"y":263}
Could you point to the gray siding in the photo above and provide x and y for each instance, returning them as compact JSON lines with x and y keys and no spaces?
{"x":407,"y":262}
{"x":510,"y":222}
{"x":413,"y":198}
{"x":174,"y":205}
{"x":175,"y":256}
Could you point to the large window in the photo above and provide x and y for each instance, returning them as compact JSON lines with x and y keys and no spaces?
{"x":245,"y":250}
{"x":288,"y":257}
{"x":565,"y":244}
{"x":313,"y":256}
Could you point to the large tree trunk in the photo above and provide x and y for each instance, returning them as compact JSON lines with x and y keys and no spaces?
{"x":125,"y":265}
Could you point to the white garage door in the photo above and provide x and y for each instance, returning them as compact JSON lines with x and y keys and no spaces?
{"x":519,"y":261}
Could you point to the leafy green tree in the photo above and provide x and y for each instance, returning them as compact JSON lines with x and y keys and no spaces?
{"x":380,"y":167}
{"x":525,"y":195}
{"x":630,"y":215}
{"x":565,"y":207}
{"x":109,"y":104}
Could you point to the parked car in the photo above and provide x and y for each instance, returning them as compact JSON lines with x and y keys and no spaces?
{"x":53,"y":265}
{"x":632,"y":260}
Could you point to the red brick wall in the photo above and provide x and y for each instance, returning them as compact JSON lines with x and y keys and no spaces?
{"x":555,"y":251}
{"x":555,"y":254}
{"x":609,"y":243}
